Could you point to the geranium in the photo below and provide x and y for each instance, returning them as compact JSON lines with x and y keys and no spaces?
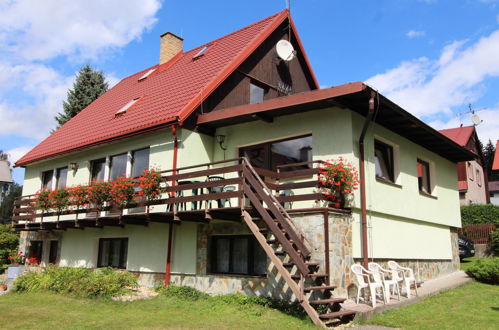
{"x":99,"y":193}
{"x":42,"y":200}
{"x":338,"y":179}
{"x":34,"y":260}
{"x":122,"y":191}
{"x":79,"y":196}
{"x":149,"y":184}
{"x":16,"y":258}
{"x":59,"y":199}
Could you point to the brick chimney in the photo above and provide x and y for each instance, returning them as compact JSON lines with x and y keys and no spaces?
{"x":170,"y":45}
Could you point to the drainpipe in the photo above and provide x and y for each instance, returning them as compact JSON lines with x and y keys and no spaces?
{"x":363,"y":203}
{"x":170,"y":227}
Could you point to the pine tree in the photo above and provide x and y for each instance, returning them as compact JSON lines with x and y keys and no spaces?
{"x":488,"y":154}
{"x":89,"y":85}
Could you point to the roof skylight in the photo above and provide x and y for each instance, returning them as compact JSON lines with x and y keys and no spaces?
{"x":202,"y":51}
{"x":145,"y":75}
{"x":127,"y":106}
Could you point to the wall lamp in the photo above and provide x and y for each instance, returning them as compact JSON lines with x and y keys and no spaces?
{"x":220,"y":140}
{"x":73,"y":166}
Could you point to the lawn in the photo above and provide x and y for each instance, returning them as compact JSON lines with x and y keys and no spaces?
{"x":49,"y":311}
{"x":472,"y":306}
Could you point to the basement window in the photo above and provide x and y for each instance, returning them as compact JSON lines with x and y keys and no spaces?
{"x":147,"y":74}
{"x":239,"y":254}
{"x":127,"y":106}
{"x":202,"y":51}
{"x":113,"y":252}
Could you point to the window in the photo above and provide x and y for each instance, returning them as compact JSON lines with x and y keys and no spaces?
{"x":47,"y":177}
{"x":241,"y":255}
{"x":113,"y":252}
{"x":118,"y":166}
{"x":36,"y":250}
{"x":97,"y":169}
{"x":424,"y":176}
{"x":128,"y":106}
{"x":478,"y":178}
{"x":147,"y":74}
{"x":61,"y":177}
{"x":272,"y":154}
{"x":140,"y":161}
{"x":470,"y":172}
{"x":256,"y":94}
{"x":383,"y":159}
{"x":202,"y":51}
{"x":54,"y":251}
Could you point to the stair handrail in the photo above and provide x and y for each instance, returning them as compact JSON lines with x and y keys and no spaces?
{"x":278,"y":205}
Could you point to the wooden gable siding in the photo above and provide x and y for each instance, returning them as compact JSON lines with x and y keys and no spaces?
{"x":268,"y":71}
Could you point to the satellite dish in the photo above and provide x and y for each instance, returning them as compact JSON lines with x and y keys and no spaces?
{"x":475,"y":119}
{"x":285,"y":50}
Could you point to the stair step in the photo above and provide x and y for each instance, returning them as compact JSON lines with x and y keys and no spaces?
{"x":327,"y":301}
{"x":272,"y":241}
{"x":319,"y":288}
{"x":280,"y":253}
{"x":336,"y":315}
{"x":297,"y":276}
{"x":309,"y":264}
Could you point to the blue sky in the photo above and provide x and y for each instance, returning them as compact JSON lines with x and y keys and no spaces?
{"x":432,"y":57}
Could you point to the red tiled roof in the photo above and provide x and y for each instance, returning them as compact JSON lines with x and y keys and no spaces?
{"x":168,"y":95}
{"x":460,"y":135}
{"x":495,"y":164}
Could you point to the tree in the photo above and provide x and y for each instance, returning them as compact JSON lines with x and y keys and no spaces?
{"x":9,"y":241}
{"x":8,"y":203}
{"x":488,"y":154}
{"x":89,"y":85}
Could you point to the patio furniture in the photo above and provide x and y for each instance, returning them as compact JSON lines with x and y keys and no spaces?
{"x":227,"y":189}
{"x":215,"y":190}
{"x":286,"y":193}
{"x":407,"y":276}
{"x":391,"y":285}
{"x":364,"y":281}
{"x":194,"y":192}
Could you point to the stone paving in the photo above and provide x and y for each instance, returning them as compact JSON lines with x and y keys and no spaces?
{"x":427,"y":289}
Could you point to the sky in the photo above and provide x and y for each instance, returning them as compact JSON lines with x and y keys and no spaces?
{"x":432,"y":57}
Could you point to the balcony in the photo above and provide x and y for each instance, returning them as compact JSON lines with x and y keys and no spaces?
{"x":196,"y":193}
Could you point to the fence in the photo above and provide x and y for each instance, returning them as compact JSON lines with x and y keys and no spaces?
{"x":479,"y":234}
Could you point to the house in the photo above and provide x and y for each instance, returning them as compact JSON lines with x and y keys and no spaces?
{"x":472,"y":178}
{"x":238,"y":134}
{"x":5,"y":179}
{"x":494,"y":192}
{"x":495,"y":165}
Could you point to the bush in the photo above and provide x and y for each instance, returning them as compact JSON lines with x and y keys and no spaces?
{"x":181,"y":292}
{"x":82,"y":282}
{"x":9,"y":241}
{"x":485,"y":270}
{"x":494,"y":242}
{"x":479,"y":214}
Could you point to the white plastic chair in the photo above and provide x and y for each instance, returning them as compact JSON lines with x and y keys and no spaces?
{"x":364,"y":281}
{"x":391,"y":285}
{"x":407,"y":276}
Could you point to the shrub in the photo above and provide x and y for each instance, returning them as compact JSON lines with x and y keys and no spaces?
{"x":181,"y":292}
{"x":338,"y":179}
{"x":82,"y":282}
{"x":494,"y":242}
{"x":9,"y":240}
{"x":485,"y":270}
{"x":479,"y":214}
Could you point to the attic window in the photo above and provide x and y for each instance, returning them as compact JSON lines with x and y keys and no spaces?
{"x":202,"y":51}
{"x":147,"y":74}
{"x":127,"y":106}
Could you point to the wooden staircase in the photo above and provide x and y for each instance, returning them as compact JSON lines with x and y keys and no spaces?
{"x":288,"y":251}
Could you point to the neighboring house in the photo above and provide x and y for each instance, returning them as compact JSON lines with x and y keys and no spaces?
{"x":472,"y":178}
{"x":495,"y":164}
{"x":494,"y":192}
{"x":5,"y":179}
{"x":192,"y":116}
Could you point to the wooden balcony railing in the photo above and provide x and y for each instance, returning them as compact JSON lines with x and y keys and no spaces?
{"x":201,"y":191}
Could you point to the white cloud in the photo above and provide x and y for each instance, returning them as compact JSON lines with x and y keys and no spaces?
{"x":429,"y":87}
{"x":40,"y":30}
{"x":415,"y":34}
{"x":17,"y":153}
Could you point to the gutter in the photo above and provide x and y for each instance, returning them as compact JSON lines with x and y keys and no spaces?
{"x":170,"y":227}
{"x":363,"y":203}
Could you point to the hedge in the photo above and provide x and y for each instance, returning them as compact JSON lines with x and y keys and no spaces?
{"x":479,"y":214}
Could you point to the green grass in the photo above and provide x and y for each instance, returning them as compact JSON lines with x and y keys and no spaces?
{"x":467,"y":262}
{"x":472,"y":306}
{"x":49,"y":311}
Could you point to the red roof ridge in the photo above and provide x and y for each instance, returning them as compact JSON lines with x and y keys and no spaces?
{"x":460,"y":135}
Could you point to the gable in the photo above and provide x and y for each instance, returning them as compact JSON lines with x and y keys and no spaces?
{"x":263,"y":68}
